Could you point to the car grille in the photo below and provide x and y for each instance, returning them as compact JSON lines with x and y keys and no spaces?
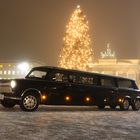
{"x":5,"y":88}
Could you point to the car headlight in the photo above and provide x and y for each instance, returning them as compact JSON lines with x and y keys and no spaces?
{"x":13,"y":84}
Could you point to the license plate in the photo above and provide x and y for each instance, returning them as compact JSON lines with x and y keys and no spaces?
{"x":1,"y":97}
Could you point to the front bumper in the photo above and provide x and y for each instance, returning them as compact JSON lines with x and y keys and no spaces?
{"x":8,"y":96}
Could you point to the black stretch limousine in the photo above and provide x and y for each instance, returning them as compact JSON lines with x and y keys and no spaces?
{"x":57,"y":86}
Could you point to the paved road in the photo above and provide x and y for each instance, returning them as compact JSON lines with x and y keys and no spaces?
{"x":69,"y":123}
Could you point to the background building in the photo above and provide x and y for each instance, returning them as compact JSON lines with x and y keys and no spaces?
{"x":109,"y":64}
{"x":15,"y":69}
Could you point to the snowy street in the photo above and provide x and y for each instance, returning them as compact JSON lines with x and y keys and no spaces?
{"x":69,"y":123}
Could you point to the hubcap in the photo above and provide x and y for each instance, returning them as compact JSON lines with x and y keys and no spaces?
{"x":137,"y":104}
{"x":126,"y":104}
{"x":30,"y":102}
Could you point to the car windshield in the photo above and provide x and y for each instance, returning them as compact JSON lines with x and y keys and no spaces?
{"x":37,"y":74}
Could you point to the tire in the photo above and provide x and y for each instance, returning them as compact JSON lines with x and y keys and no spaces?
{"x":113,"y":106}
{"x":136,"y":105}
{"x":125,"y":104}
{"x":7,"y":104}
{"x":101,"y":106}
{"x":29,"y":102}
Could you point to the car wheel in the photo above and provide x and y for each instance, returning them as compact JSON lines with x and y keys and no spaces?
{"x":7,"y":104}
{"x":113,"y":106}
{"x":125,"y":104}
{"x":29,"y":102}
{"x":136,"y":105}
{"x":101,"y":106}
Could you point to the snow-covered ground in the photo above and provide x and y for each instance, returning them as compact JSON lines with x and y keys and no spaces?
{"x":69,"y":123}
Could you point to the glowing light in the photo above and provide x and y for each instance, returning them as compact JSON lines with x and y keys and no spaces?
{"x":78,"y":6}
{"x":88,"y":99}
{"x":44,"y":97}
{"x":120,"y":100}
{"x":1,"y":66}
{"x":23,"y":67}
{"x":67,"y":98}
{"x":13,"y":84}
{"x":76,"y":52}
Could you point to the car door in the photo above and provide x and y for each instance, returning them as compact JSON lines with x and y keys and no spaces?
{"x":58,"y":87}
{"x":107,"y":91}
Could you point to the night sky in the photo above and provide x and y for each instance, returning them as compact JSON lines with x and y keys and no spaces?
{"x":33,"y":29}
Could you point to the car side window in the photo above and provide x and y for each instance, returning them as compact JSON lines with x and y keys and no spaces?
{"x":92,"y":80}
{"x":38,"y":74}
{"x":59,"y":77}
{"x":107,"y":82}
{"x":125,"y":84}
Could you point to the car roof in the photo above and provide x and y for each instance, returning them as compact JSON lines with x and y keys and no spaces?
{"x":78,"y":71}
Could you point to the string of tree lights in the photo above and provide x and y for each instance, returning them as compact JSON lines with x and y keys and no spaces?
{"x":76,"y":52}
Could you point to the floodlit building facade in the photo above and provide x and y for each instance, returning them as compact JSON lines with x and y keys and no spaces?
{"x":15,"y":69}
{"x":109,"y":64}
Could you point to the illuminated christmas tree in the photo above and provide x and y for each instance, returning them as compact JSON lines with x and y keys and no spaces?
{"x":76,"y":52}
